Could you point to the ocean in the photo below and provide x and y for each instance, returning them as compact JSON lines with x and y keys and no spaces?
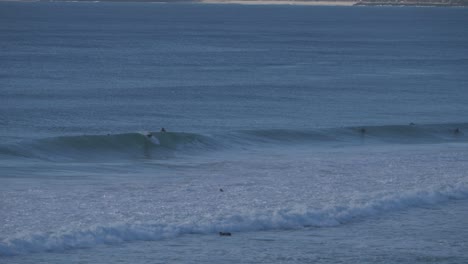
{"x":310,"y":134}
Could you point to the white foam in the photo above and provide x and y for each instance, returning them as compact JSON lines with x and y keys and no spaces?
{"x":279,"y":219}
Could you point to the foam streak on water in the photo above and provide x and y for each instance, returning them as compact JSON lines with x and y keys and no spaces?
{"x":292,"y":190}
{"x":278,"y":219}
{"x":312,"y":126}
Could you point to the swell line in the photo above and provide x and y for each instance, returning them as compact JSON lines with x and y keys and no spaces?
{"x":164,"y":145}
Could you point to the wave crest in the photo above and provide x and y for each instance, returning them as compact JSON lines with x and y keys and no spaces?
{"x":274,"y":220}
{"x":104,"y":147}
{"x":164,"y":145}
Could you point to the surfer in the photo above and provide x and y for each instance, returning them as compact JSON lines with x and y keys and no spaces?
{"x":149,"y":134}
{"x":225,"y":234}
{"x":163,"y":130}
{"x":362,"y":130}
{"x":456,"y":131}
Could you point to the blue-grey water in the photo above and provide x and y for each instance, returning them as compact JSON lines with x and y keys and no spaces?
{"x":312,"y":134}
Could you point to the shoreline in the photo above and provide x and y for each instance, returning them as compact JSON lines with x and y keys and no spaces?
{"x":281,"y":2}
{"x":402,"y":3}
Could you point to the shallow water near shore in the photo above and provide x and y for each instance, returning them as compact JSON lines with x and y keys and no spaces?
{"x":312,"y":134}
{"x":396,"y":237}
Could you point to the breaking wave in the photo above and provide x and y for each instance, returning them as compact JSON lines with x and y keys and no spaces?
{"x":255,"y":221}
{"x":164,"y":145}
{"x":102,"y":147}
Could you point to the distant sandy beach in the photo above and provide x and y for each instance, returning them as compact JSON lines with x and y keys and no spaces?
{"x":281,"y":2}
{"x":240,"y":2}
{"x":440,"y":3}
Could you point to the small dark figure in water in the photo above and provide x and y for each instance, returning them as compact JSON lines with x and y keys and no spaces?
{"x":149,"y":135}
{"x":412,"y":124}
{"x":224,"y":233}
{"x":456,"y":131}
{"x":221,"y":190}
{"x":163,"y":129}
{"x":362,"y":130}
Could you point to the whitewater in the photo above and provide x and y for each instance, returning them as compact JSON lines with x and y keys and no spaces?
{"x":176,"y":190}
{"x":310,"y":134}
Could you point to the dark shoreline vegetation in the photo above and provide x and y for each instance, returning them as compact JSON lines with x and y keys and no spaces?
{"x":440,"y":3}
{"x":413,"y":2}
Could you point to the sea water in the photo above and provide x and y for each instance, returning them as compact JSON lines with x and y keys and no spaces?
{"x":311,"y":134}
